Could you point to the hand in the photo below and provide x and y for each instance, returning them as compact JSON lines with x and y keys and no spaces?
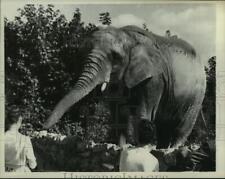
{"x":191,"y":159}
{"x":187,"y":159}
{"x":197,"y":157}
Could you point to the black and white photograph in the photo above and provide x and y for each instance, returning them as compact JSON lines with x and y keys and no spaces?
{"x":110,"y":87}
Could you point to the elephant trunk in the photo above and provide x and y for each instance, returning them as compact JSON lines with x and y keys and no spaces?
{"x":93,"y":74}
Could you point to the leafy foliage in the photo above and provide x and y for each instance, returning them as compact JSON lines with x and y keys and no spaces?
{"x":210,"y":96}
{"x":42,"y":64}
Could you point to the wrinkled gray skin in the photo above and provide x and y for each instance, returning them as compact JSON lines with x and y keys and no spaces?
{"x":172,"y":77}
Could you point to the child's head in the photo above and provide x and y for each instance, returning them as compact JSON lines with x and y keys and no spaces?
{"x":13,"y":117}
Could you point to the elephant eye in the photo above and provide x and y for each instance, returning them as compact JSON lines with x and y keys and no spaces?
{"x":116,"y":58}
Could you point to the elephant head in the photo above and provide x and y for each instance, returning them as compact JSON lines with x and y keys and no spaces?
{"x":109,"y":50}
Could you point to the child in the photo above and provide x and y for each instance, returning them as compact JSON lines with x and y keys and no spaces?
{"x":19,"y":155}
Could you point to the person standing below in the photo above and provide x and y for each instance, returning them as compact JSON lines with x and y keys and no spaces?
{"x":19,"y":154}
{"x":137,"y":159}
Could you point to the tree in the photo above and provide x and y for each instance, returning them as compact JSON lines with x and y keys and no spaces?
{"x":210,"y":96}
{"x":105,"y":18}
{"x":211,"y":76}
{"x":42,"y":64}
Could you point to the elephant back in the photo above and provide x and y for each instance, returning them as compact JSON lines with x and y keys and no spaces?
{"x":174,"y":42}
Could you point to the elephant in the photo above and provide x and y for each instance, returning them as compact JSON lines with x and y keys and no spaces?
{"x":167,"y":71}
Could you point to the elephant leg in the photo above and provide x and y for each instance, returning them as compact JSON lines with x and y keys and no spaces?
{"x":131,"y":132}
{"x":185,"y":126}
{"x":164,"y":135}
{"x":150,"y":92}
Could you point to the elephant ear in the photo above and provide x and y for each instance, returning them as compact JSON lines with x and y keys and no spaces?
{"x":145,"y":62}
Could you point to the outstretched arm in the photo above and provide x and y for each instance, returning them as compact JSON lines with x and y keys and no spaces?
{"x":31,"y":159}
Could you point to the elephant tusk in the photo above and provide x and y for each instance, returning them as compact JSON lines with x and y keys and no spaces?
{"x":103,"y":86}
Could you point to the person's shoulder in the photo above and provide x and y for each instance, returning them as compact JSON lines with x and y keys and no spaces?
{"x":11,"y":134}
{"x":25,"y":138}
{"x":9,"y":138}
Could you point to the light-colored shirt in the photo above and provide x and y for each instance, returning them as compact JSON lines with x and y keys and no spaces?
{"x":19,"y":152}
{"x":138,"y":160}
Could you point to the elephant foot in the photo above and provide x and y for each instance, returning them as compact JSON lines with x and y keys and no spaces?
{"x":140,"y":132}
{"x":131,"y":132}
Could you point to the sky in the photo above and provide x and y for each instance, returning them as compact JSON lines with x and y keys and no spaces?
{"x":193,"y":22}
